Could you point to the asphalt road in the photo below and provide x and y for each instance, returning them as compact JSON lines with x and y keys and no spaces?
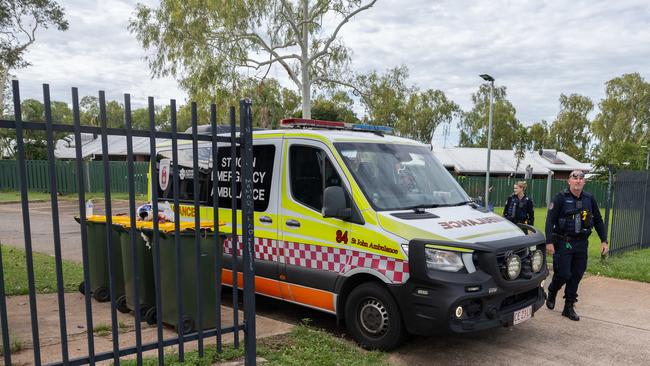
{"x":614,"y":329}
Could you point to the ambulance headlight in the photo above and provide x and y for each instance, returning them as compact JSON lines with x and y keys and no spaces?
{"x":537,"y":259}
{"x":443,"y":260}
{"x":513,"y":266}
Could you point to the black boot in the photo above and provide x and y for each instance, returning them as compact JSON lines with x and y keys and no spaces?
{"x":550,"y":300}
{"x":569,"y":312}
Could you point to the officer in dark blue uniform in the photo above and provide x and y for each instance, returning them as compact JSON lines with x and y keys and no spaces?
{"x":571,"y":217}
{"x":519,"y":207}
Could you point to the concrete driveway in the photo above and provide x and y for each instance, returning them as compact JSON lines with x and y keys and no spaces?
{"x":40,"y":216}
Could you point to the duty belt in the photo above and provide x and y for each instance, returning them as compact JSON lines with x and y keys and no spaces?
{"x":571,"y":238}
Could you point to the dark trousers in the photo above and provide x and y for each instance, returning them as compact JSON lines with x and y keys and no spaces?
{"x":569,"y":264}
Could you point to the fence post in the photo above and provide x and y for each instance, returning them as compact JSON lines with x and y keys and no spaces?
{"x":549,"y":186}
{"x":608,"y":202}
{"x":643,"y":213}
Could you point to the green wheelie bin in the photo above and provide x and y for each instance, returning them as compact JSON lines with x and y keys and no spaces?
{"x":147,"y":284}
{"x":98,"y":260}
{"x":187,"y":271}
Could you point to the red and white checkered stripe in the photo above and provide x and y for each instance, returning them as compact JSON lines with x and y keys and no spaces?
{"x":264,"y":248}
{"x":325,"y":258}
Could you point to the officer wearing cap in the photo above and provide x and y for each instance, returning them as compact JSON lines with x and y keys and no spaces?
{"x":519,"y":207}
{"x":571,"y":217}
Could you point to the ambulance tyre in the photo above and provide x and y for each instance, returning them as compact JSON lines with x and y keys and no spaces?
{"x":372,"y":317}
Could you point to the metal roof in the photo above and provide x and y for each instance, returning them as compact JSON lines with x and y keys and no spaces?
{"x":92,"y":145}
{"x":468,"y":160}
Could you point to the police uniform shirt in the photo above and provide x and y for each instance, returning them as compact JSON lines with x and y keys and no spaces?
{"x":573,"y":216}
{"x":519,"y":210}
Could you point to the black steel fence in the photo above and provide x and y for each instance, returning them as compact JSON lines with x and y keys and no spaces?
{"x":201,"y":282}
{"x":630,"y":228}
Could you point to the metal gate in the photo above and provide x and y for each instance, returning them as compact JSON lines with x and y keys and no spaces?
{"x":244,"y":141}
{"x":630,"y":228}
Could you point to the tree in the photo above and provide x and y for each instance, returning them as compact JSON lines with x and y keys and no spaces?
{"x":521,"y":145}
{"x":207,"y":45}
{"x":622,"y":125}
{"x":474,"y":124}
{"x":19,"y":21}
{"x":426,"y":111}
{"x":570,"y":130}
{"x":384,"y":96}
{"x":538,"y":136}
{"x":337,"y":108}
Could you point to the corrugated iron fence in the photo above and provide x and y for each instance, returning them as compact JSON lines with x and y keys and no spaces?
{"x":66,"y":176}
{"x":502,"y":189}
{"x":630,"y":228}
{"x":192,"y":250}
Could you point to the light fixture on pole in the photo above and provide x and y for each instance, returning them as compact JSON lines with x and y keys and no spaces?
{"x":489,"y":78}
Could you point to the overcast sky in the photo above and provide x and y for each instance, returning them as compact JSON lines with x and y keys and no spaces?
{"x":537,"y":49}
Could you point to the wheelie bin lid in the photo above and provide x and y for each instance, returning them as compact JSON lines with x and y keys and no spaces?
{"x":169,"y":227}
{"x":115,"y":219}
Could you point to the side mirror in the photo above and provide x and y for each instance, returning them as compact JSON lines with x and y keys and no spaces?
{"x":334,"y":203}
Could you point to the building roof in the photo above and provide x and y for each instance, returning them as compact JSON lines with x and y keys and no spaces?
{"x":469,"y":160}
{"x":65,"y":148}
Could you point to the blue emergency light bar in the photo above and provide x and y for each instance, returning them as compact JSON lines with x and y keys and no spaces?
{"x":335,"y":125}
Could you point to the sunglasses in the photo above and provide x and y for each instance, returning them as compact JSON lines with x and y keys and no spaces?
{"x":578,"y":176}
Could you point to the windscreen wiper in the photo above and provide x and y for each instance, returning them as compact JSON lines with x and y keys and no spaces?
{"x":420,"y":208}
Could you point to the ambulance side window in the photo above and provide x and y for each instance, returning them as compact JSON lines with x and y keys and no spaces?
{"x":310,"y":172}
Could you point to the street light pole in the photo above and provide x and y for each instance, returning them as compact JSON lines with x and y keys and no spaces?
{"x":489,"y":78}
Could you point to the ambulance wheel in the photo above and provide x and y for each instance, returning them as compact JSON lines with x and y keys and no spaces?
{"x":373,"y":318}
{"x":120,"y":304}
{"x":82,"y":287}
{"x":102,"y":294}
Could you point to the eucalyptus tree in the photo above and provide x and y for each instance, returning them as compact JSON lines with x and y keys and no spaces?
{"x":208,"y":45}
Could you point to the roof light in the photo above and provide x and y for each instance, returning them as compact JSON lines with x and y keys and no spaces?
{"x":372,"y":128}
{"x":302,"y":123}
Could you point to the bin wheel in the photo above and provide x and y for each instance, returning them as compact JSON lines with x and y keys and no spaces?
{"x":151,"y":316}
{"x":82,"y":287}
{"x":102,"y":294}
{"x":120,"y":304}
{"x":188,"y":325}
{"x":144,"y":308}
{"x":372,"y":317}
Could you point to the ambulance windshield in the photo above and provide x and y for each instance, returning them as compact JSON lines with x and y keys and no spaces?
{"x":398,"y":177}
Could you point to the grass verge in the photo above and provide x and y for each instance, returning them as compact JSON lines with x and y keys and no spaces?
{"x":304,"y":345}
{"x":15,"y":272}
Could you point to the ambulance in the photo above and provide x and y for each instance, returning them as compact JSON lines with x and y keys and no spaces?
{"x":370,"y":227}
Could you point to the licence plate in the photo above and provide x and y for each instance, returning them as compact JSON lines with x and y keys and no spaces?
{"x":522,"y":315}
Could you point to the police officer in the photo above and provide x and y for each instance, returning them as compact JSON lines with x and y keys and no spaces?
{"x":571,"y":217}
{"x":519,"y":207}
